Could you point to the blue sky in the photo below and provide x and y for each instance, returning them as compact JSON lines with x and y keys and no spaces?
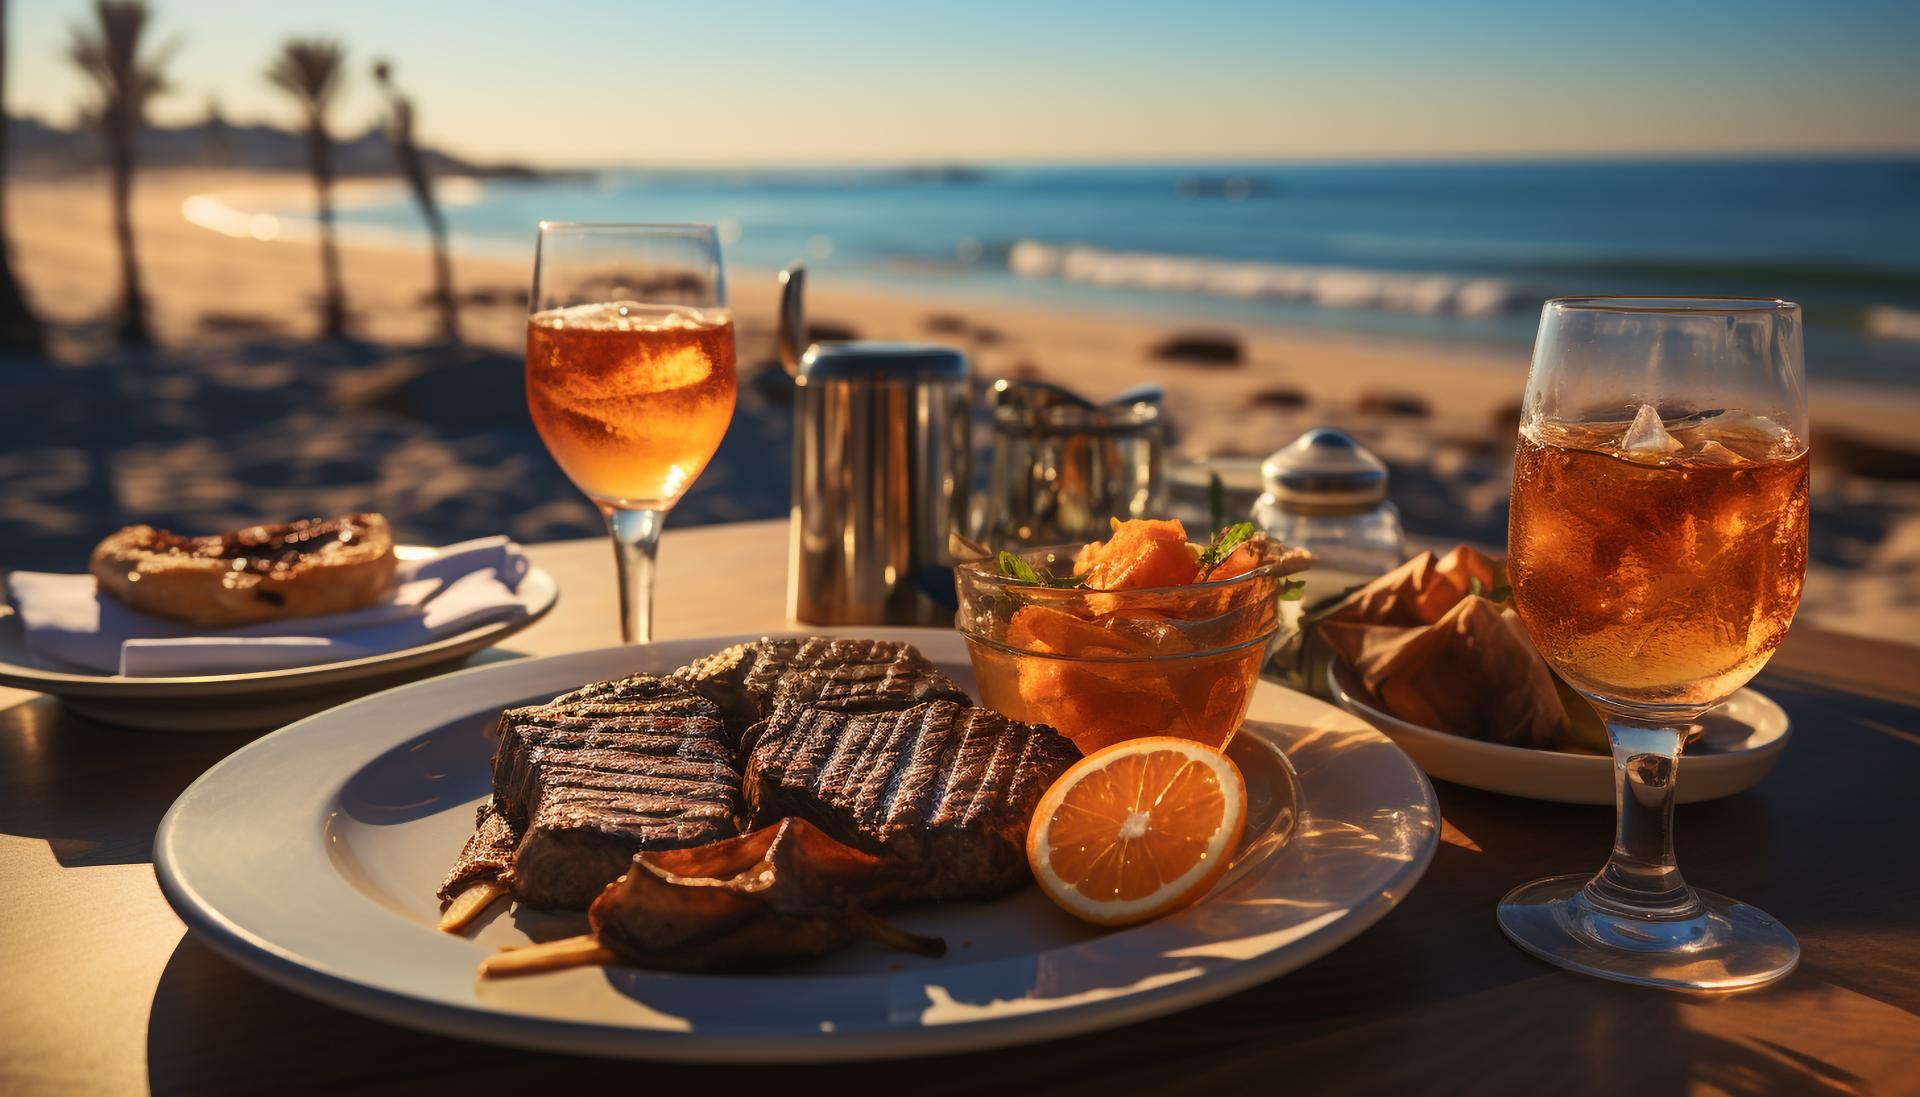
{"x":835,"y":81}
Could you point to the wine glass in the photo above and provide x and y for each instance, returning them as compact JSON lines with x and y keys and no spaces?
{"x":1657,"y":544}
{"x":630,"y":377}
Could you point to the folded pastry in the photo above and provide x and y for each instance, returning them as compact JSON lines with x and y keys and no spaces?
{"x":1472,"y":672}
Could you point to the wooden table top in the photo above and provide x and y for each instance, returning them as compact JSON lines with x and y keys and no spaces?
{"x":102,"y":991}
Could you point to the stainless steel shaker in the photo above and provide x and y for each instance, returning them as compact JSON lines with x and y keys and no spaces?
{"x":1063,"y":467}
{"x":880,"y":474}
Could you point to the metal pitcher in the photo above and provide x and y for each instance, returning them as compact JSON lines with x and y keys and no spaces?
{"x":880,"y":475}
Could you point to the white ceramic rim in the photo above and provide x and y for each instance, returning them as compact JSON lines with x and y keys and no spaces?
{"x":1549,"y":772}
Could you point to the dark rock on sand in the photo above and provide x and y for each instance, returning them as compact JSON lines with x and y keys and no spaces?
{"x":1284,"y":398}
{"x":1217,"y":349}
{"x":1398,"y":405}
{"x":1864,"y":457}
{"x":826,"y":331}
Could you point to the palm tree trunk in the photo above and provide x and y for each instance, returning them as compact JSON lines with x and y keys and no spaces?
{"x":19,"y":329}
{"x":133,"y":304}
{"x":443,"y":278}
{"x":334,"y":305}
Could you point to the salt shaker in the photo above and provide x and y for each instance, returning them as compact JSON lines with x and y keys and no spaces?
{"x":1326,"y":493}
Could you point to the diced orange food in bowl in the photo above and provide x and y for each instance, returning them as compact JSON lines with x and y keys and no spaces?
{"x":1140,"y":554}
{"x":1145,"y":643}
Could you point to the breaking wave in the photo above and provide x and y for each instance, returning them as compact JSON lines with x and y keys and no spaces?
{"x":1325,"y":287}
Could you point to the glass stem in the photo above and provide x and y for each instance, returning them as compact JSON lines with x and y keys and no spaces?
{"x":636,"y":539}
{"x":1641,"y":878}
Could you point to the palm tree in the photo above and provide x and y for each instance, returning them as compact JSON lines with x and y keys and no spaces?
{"x":414,"y":167}
{"x":109,"y":55}
{"x":310,"y":70}
{"x":19,"y":330}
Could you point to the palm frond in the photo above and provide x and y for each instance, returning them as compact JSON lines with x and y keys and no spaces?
{"x":108,"y":53}
{"x":310,"y":70}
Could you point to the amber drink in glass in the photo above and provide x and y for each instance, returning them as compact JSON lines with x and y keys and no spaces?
{"x":630,"y":377}
{"x":1657,"y":543}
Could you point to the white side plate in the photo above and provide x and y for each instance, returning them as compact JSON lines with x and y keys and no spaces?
{"x":1742,"y":740}
{"x":311,"y":857}
{"x":244,"y":702}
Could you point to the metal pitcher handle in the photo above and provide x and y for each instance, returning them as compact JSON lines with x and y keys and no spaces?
{"x":793,"y":318}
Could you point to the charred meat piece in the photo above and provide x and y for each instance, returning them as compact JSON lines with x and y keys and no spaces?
{"x":944,"y":788}
{"x":784,"y":892}
{"x":587,"y":792}
{"x":638,"y":695}
{"x":488,"y":852}
{"x":843,"y":675}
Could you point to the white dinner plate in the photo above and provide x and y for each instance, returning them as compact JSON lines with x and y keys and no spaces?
{"x":311,"y":857}
{"x":259,"y":699}
{"x":1740,"y":741}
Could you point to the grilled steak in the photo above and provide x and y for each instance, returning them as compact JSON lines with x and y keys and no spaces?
{"x":600,"y":773}
{"x":590,"y":791}
{"x":749,"y":680}
{"x":942,"y":787}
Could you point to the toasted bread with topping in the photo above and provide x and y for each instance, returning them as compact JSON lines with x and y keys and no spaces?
{"x":307,"y":568}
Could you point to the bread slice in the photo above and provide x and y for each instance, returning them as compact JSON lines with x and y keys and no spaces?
{"x":306,"y":568}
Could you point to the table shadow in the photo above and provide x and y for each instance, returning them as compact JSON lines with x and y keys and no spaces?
{"x":215,"y":1029}
{"x":95,"y":793}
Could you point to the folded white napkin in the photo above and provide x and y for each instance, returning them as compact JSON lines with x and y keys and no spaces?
{"x":457,"y":588}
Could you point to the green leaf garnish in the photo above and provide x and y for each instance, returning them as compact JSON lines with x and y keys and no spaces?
{"x":1477,"y":589}
{"x":1292,"y":590}
{"x":1222,"y":546}
{"x":1013,"y":567}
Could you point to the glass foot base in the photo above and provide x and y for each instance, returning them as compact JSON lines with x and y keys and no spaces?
{"x":1722,"y":946}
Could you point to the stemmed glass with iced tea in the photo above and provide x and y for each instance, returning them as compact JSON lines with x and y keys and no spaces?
{"x":1657,"y":544}
{"x":630,"y":377}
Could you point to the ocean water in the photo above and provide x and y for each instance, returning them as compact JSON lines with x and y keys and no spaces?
{"x":1437,"y":251}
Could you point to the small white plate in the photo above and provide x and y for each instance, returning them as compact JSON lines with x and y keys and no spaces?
{"x":246,"y":702}
{"x":311,"y":857}
{"x":1741,"y":741}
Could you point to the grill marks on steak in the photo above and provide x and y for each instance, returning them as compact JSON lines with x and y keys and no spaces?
{"x":584,"y":781}
{"x":593,"y":790}
{"x":944,"y":787}
{"x":942,"y":790}
{"x":750,"y":680}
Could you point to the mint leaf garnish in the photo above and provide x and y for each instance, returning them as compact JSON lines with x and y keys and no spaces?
{"x":1222,"y":546}
{"x":1013,"y":567}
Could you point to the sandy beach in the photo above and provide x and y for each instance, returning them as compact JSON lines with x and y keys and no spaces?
{"x":238,"y":415}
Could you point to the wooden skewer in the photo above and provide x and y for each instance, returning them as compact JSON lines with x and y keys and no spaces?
{"x":468,"y":905}
{"x":549,"y":956}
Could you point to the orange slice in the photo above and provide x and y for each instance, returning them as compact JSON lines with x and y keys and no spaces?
{"x":1137,"y":829}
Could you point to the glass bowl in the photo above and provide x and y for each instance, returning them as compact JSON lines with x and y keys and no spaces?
{"x":1105,"y":666}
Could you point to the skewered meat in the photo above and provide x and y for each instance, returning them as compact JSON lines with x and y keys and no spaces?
{"x":781,"y":893}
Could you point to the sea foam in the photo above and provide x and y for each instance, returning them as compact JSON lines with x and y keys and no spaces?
{"x":1325,"y":287}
